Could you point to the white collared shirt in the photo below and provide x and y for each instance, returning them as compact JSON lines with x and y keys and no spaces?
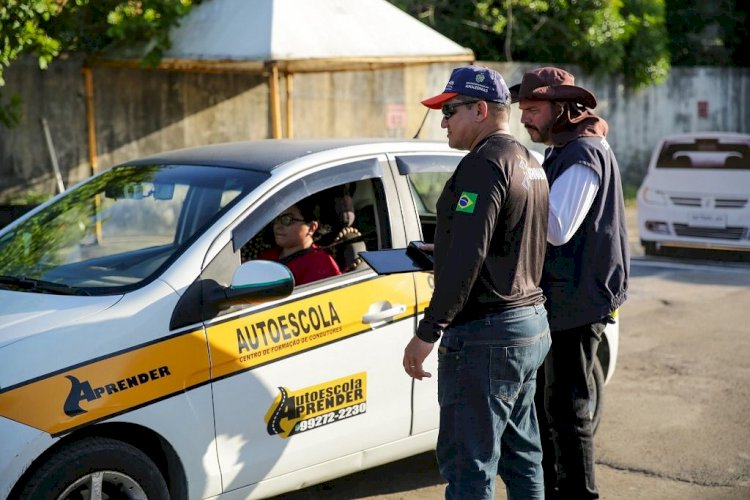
{"x":570,"y":198}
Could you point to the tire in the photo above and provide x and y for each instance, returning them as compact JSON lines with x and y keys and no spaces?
{"x":596,"y":388}
{"x":122,"y":471}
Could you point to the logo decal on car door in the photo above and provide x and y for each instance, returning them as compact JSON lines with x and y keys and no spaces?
{"x":293,"y":412}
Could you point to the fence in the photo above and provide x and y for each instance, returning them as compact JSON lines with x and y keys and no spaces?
{"x":138,"y":112}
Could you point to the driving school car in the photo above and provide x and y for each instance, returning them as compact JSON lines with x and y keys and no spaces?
{"x":145,"y":351}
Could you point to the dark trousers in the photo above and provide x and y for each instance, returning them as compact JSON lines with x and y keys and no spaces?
{"x":565,"y":423}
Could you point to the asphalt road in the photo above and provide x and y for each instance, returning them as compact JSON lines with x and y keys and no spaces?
{"x":676,"y":421}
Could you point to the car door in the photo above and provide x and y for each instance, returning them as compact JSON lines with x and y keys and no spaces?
{"x":420,"y":179}
{"x":316,"y":376}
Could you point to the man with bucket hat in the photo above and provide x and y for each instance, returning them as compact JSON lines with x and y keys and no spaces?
{"x":487,"y":309}
{"x":586,"y":268}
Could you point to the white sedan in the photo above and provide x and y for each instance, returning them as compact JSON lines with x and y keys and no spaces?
{"x":145,"y":352}
{"x":696,"y":193}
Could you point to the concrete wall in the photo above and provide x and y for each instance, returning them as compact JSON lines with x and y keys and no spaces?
{"x":139,"y":112}
{"x":690,"y":100}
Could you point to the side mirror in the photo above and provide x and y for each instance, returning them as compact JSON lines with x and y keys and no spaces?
{"x":254,"y":282}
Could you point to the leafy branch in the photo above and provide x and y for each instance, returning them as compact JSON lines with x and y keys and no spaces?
{"x":49,"y":28}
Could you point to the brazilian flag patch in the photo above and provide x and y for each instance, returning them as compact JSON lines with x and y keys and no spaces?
{"x":467,"y":202}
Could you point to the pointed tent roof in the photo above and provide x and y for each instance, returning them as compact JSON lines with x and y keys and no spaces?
{"x":290,"y":36}
{"x":302,"y":35}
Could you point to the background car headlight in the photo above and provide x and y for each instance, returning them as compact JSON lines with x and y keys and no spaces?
{"x":653,"y":196}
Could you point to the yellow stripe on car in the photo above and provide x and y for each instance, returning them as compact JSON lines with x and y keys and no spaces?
{"x":93,"y":391}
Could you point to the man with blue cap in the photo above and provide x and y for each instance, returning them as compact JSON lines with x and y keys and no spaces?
{"x":487,"y":310}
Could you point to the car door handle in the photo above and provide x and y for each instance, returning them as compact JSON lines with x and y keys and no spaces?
{"x":386,"y":312}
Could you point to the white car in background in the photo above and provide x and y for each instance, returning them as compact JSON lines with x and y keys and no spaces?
{"x":696,"y":193}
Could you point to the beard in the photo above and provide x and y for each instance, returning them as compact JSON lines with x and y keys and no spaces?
{"x":556,"y":118}
{"x":539,"y":134}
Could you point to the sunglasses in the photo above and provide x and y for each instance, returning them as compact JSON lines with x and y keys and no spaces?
{"x":286,"y":220}
{"x":450,"y":109}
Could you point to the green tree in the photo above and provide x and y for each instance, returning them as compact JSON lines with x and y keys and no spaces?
{"x":49,"y":28}
{"x":601,"y":36}
{"x":708,"y":33}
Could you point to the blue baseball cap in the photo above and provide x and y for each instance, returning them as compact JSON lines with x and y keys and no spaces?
{"x":473,"y":81}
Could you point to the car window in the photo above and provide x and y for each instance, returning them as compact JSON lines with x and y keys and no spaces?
{"x":427,"y":175}
{"x":253,"y":233}
{"x":426,"y":188}
{"x":369,"y":228}
{"x":114,"y":232}
{"x":704,"y":153}
{"x":353,"y":218}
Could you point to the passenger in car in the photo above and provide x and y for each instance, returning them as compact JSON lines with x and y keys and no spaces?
{"x":295,"y":231}
{"x":345,"y":241}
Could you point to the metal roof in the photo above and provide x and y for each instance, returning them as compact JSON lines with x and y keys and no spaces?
{"x":299,"y":35}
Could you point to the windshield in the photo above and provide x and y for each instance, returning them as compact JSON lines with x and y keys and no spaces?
{"x":119,"y":229}
{"x":705,"y":153}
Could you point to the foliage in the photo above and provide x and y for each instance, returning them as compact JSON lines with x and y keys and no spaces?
{"x":50,"y":28}
{"x":646,"y":56}
{"x":30,"y":198}
{"x":708,"y":33}
{"x":600,"y":36}
{"x":10,"y":109}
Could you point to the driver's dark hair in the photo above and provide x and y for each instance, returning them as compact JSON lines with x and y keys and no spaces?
{"x":309,"y":208}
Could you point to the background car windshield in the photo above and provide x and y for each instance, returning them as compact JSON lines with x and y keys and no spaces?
{"x":705,"y":153}
{"x":117,"y":230}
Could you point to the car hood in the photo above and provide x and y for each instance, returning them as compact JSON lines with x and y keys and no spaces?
{"x":719,"y":182}
{"x":25,"y":314}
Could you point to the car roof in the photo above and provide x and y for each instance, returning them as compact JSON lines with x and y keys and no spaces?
{"x":267,"y":154}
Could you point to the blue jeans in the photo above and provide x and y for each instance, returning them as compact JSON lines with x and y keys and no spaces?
{"x":488,"y":424}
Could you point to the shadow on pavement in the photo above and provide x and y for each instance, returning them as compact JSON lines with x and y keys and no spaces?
{"x":398,"y":479}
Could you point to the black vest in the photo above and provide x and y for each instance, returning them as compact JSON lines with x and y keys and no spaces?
{"x":586,"y":279}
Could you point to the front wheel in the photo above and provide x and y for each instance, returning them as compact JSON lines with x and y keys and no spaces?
{"x":596,"y":389}
{"x":97,"y":468}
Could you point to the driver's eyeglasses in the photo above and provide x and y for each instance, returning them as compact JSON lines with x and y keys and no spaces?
{"x":450,"y":109}
{"x":286,"y":220}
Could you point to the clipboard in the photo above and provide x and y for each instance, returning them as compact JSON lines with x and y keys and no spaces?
{"x":396,"y":260}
